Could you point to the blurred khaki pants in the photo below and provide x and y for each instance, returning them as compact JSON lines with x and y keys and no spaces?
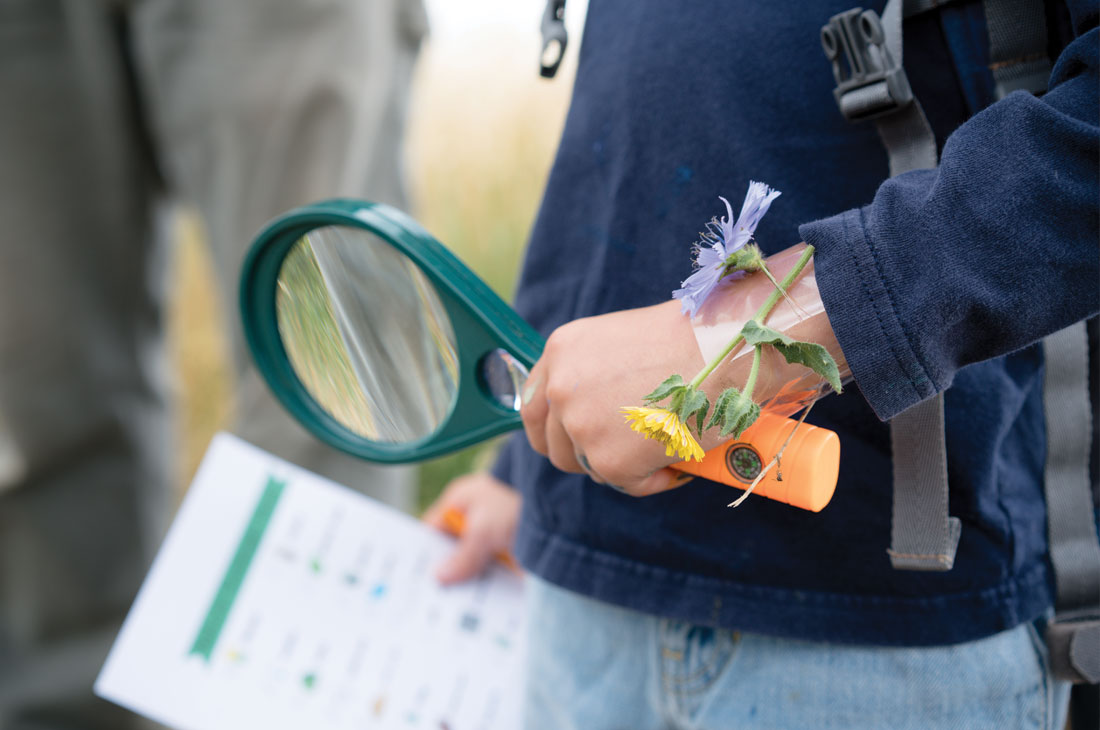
{"x":108,"y":108}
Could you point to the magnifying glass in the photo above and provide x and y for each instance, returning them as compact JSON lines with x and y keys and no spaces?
{"x":384,"y":345}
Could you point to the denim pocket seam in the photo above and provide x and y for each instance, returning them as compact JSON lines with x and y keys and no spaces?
{"x":1038,"y":647}
{"x":721,"y":656}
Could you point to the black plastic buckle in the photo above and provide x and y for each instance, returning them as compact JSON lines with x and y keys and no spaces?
{"x":869,"y":81}
{"x":554,"y":38}
{"x":1073,"y":641}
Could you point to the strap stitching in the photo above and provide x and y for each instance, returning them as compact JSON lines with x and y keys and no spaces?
{"x":1019,"y":59}
{"x":896,"y":554}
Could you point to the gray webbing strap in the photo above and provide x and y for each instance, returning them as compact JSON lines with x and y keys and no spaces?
{"x":1074,"y":636}
{"x":1076,"y":553}
{"x":1018,"y":55}
{"x":906,"y":134}
{"x":866,"y":55}
{"x":907,"y":145}
{"x":922,"y":535}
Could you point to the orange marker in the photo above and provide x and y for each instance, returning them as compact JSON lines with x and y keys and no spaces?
{"x":809,"y":466}
{"x":454,"y":523}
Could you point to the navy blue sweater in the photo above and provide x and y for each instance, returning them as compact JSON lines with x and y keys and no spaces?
{"x":936,"y":280}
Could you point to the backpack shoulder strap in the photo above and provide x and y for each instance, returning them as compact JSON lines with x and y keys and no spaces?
{"x":1074,"y":634}
{"x":1018,"y":57}
{"x":866,"y":53}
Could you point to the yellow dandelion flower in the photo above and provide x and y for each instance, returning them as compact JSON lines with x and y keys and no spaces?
{"x":665,"y":426}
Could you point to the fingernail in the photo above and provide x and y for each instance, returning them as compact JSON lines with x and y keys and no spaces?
{"x":529,"y":391}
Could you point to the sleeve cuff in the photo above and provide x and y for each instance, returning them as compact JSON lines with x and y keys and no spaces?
{"x":861,"y":311}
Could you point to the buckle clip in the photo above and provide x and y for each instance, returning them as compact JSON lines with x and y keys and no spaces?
{"x":870,"y":82}
{"x":554,"y":38}
{"x":1073,"y":640}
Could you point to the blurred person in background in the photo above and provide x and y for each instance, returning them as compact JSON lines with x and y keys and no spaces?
{"x":111,"y":109}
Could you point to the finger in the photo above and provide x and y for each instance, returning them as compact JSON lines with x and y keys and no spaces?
{"x":473,"y":553}
{"x":562,"y":452}
{"x":661,"y":480}
{"x":535,"y":410}
{"x":455,"y":496}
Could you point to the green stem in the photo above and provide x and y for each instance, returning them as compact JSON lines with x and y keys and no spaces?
{"x":750,"y":384}
{"x":760,"y":316}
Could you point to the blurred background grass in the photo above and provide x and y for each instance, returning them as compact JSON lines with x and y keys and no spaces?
{"x":482,"y":133}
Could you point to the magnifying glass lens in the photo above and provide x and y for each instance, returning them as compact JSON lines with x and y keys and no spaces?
{"x":503,"y":378}
{"x":367,"y":335}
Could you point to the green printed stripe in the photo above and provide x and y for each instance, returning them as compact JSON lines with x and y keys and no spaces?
{"x":238,"y":568}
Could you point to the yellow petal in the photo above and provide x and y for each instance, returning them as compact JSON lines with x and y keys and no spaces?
{"x":665,"y":426}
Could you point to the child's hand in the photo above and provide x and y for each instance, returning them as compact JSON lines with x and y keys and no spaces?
{"x":592,"y":367}
{"x":491,"y":510}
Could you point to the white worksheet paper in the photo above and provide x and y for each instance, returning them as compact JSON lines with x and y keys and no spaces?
{"x":282,"y":600}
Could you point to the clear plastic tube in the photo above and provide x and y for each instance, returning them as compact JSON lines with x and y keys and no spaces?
{"x":783,"y":388}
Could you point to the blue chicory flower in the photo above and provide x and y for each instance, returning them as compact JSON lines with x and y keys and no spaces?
{"x":722,"y":238}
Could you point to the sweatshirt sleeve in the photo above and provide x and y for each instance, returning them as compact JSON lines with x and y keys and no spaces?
{"x":990,"y":252}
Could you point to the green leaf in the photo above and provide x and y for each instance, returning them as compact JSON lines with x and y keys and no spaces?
{"x":701,"y":414}
{"x":733,"y":413}
{"x":665,"y":389}
{"x":810,"y":354}
{"x":693,"y":400}
{"x":696,"y":404}
{"x":721,"y":406}
{"x":739,"y":417}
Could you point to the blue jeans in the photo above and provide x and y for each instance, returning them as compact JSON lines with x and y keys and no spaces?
{"x":594,"y":666}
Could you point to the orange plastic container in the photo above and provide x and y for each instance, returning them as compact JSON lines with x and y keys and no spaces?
{"x":807,"y":473}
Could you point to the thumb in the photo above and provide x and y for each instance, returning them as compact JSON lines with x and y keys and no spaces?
{"x":473,"y":553}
